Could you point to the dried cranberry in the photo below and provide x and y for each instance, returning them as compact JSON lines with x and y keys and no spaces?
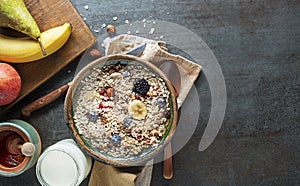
{"x":102,"y":91}
{"x":148,"y":140}
{"x":137,"y":97}
{"x":100,"y":105}
{"x":139,"y":138}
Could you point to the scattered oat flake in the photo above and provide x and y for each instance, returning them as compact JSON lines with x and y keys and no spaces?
{"x":86,"y":7}
{"x":103,"y":25}
{"x":96,"y":30}
{"x":84,"y":18}
{"x":161,"y":37}
{"x":126,"y":21}
{"x":144,"y":25}
{"x":137,"y":31}
{"x":115,"y":18}
{"x":144,"y":20}
{"x":168,"y":13}
{"x":151,"y":31}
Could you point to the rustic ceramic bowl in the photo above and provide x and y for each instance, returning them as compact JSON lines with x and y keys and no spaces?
{"x":70,"y":105}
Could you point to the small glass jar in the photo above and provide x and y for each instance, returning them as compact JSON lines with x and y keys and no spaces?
{"x":63,"y":164}
{"x":15,"y":164}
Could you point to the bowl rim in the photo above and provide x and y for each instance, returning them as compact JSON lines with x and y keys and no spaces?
{"x":68,"y":108}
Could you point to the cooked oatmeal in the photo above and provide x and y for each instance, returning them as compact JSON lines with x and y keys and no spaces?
{"x":122,"y":109}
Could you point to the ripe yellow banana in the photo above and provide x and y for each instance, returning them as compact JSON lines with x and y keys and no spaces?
{"x":20,"y":50}
{"x":137,"y":109}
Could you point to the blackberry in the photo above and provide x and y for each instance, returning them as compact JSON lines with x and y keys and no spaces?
{"x":140,"y":86}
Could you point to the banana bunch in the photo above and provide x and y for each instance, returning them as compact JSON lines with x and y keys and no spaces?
{"x":21,"y":50}
{"x":137,"y":109}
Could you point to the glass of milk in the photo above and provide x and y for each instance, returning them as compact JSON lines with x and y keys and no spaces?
{"x":63,"y":164}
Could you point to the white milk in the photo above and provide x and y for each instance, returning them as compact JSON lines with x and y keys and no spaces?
{"x":58,"y":168}
{"x":63,"y":164}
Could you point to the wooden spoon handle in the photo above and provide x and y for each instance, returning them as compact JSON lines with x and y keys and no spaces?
{"x":44,"y":100}
{"x":168,"y":162}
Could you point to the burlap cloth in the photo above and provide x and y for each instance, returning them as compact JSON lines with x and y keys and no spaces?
{"x":155,"y":52}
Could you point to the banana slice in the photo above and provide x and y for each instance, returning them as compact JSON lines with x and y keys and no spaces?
{"x":137,"y":109}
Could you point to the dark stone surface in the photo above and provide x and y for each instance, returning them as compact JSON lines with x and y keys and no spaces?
{"x":257,"y":45}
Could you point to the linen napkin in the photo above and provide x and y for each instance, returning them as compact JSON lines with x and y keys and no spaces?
{"x":155,"y":52}
{"x":106,"y":175}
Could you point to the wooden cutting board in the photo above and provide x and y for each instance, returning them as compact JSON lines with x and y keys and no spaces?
{"x":48,"y":14}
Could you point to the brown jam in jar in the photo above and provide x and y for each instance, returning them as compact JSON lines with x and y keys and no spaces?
{"x":8,"y":159}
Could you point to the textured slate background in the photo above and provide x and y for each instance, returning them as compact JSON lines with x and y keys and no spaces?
{"x":257,"y":45}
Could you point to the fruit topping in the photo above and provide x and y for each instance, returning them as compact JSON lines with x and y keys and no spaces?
{"x":109,"y":92}
{"x":137,"y":109}
{"x":126,"y":74}
{"x":168,"y":114}
{"x":161,"y":102}
{"x":92,"y":116}
{"x":127,"y":121}
{"x":115,"y":138}
{"x":140,"y":86}
{"x":102,"y":91}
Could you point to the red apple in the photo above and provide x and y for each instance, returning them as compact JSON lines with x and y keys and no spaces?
{"x":10,"y":84}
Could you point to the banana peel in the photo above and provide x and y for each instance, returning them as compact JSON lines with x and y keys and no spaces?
{"x":20,"y":50}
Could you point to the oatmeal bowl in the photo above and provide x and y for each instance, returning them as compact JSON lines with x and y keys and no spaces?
{"x":121,"y":110}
